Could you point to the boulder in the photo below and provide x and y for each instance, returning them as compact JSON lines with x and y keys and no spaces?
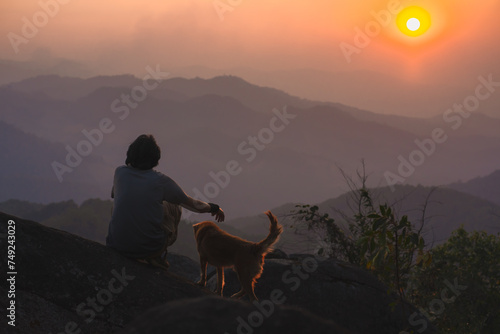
{"x":218,"y":315}
{"x":346,"y":294}
{"x":184,"y":266}
{"x":277,"y":254}
{"x":65,"y":283}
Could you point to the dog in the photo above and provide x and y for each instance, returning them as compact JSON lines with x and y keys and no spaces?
{"x":222,"y":249}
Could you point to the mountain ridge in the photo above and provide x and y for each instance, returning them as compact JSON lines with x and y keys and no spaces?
{"x":227,"y":85}
{"x":446,"y":211}
{"x":201,"y":133}
{"x":486,"y":187}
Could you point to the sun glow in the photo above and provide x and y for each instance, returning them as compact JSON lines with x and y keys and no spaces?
{"x":413,"y":24}
{"x":413,"y":21}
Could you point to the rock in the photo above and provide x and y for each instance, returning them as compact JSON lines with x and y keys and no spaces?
{"x":350,"y":296}
{"x":298,"y":256}
{"x":184,"y":266}
{"x":64,"y":281}
{"x":217,"y":315}
{"x":277,"y":254}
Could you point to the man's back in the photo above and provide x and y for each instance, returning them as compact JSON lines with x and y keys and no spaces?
{"x":135,"y":227}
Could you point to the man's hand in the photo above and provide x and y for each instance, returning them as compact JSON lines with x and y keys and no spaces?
{"x":202,"y":207}
{"x":219,"y":215}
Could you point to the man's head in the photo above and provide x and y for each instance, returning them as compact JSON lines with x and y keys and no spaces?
{"x":143,"y":153}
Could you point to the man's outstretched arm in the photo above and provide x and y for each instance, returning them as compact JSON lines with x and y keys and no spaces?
{"x":195,"y":205}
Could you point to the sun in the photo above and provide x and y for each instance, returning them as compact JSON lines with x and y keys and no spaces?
{"x":413,"y":24}
{"x":413,"y":21}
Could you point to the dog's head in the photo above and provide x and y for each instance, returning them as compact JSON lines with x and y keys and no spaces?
{"x":201,"y":229}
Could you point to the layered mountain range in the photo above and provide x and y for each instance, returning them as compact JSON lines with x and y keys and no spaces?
{"x":246,"y":147}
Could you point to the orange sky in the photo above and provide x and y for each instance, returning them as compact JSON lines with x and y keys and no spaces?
{"x":126,"y":35}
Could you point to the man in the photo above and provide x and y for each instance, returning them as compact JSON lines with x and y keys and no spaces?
{"x":146,"y":210}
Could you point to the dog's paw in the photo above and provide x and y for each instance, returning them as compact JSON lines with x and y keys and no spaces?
{"x":201,"y":283}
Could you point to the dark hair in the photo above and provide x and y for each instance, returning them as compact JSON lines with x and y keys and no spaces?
{"x":143,"y":153}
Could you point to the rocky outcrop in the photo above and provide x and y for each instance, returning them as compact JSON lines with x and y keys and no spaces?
{"x":350,"y":296}
{"x":217,"y":315}
{"x":65,"y":283}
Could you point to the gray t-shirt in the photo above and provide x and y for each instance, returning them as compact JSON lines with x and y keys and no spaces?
{"x":135,"y":228}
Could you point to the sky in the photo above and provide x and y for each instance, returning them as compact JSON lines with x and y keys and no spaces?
{"x":114,"y":37}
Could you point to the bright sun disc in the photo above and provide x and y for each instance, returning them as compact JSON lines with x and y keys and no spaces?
{"x":413,"y":24}
{"x":413,"y":21}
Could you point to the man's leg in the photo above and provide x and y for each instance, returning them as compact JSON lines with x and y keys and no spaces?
{"x":171,"y":218}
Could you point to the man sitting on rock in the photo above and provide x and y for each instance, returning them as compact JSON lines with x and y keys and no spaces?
{"x":147,"y":206}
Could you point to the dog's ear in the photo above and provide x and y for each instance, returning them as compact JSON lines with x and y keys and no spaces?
{"x":197,"y":227}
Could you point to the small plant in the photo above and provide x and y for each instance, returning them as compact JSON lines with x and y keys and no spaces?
{"x":391,"y":247}
{"x":335,"y":241}
{"x":372,"y":237}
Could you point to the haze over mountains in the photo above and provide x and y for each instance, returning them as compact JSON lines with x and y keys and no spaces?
{"x":247,"y":147}
{"x":380,"y":92}
{"x":439,"y":211}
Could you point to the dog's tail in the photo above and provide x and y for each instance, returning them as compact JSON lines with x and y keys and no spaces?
{"x":275,"y":229}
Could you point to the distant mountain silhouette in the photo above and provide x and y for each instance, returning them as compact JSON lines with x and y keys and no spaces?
{"x":258,"y":98}
{"x":26,"y":172}
{"x":379,"y":92}
{"x":262,"y":99}
{"x":446,"y":211}
{"x":364,"y":89}
{"x":255,"y":97}
{"x":13,"y":71}
{"x":486,"y":187}
{"x":477,"y":124}
{"x":69,"y":88}
{"x":202,"y":124}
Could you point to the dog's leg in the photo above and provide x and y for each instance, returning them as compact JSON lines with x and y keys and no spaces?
{"x":246,"y":281}
{"x":220,"y":280}
{"x":203,"y":267}
{"x":239,"y":294}
{"x":248,"y":286}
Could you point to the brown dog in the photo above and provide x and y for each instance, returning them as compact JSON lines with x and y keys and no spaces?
{"x":221,"y":249}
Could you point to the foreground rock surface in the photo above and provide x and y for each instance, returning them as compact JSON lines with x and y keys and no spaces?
{"x":350,"y":296}
{"x":218,"y":315}
{"x":65,"y":283}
